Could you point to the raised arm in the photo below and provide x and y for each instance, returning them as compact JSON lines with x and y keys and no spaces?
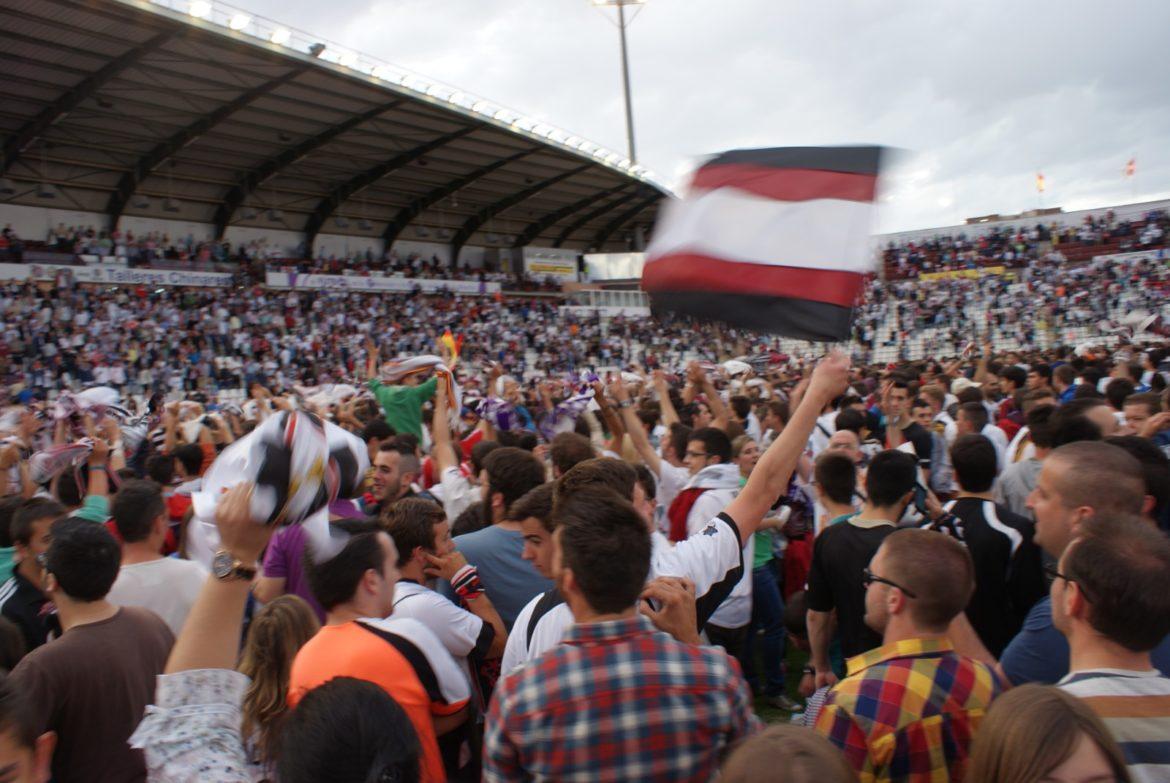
{"x":669,"y":414}
{"x":720,"y":415}
{"x":769,"y":479}
{"x":441,"y":432}
{"x":638,"y":437}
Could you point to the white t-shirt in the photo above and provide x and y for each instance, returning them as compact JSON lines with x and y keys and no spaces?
{"x":167,"y":586}
{"x":710,"y":559}
{"x":458,"y":492}
{"x":457,"y":629}
{"x":450,"y":677}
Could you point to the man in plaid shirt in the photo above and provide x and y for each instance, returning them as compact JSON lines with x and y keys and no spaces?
{"x":617,"y":700}
{"x":908,"y":709}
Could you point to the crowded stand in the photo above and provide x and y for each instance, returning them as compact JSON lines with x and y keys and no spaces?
{"x":253,"y":533}
{"x":1020,"y":246}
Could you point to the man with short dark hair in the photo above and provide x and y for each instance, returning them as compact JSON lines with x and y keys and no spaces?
{"x":1109,"y":599}
{"x":167,"y":586}
{"x":671,"y":710}
{"x":356,"y":586}
{"x":566,"y":450}
{"x":900,"y":427}
{"x":1008,"y":578}
{"x":396,"y":468}
{"x":496,"y":550}
{"x":1140,"y":408}
{"x":840,"y":554}
{"x":1018,"y":479}
{"x":714,"y":483}
{"x":1076,"y":482}
{"x":21,"y":598}
{"x":422,"y":537}
{"x":92,"y":685}
{"x":1064,"y":378}
{"x":1039,"y":376}
{"x":835,"y":484}
{"x":909,"y":709}
{"x":972,"y":419}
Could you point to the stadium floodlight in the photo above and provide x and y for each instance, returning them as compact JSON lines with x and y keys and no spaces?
{"x":365,"y":225}
{"x":170,"y":205}
{"x":379,"y":72}
{"x":140,"y":202}
{"x":622,"y":25}
{"x":275,"y":215}
{"x":316,"y":49}
{"x":7,"y":187}
{"x":340,"y":222}
{"x":239,"y":22}
{"x":247,"y":213}
{"x":280,"y":36}
{"x":45,"y":190}
{"x":200,"y":9}
{"x":347,"y":60}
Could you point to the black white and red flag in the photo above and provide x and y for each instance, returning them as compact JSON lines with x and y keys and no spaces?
{"x":774,"y":240}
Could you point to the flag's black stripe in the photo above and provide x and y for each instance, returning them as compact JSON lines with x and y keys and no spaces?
{"x":797,"y":318}
{"x":851,"y":160}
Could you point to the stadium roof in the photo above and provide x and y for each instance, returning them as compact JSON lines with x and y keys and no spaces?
{"x":130,"y":107}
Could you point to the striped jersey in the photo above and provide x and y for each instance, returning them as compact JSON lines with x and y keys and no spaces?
{"x":1135,"y":707}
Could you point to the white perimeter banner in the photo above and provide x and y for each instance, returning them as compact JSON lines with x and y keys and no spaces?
{"x":116,"y":274}
{"x":375,"y":284}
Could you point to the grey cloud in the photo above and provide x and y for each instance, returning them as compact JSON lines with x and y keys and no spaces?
{"x":983,"y":94}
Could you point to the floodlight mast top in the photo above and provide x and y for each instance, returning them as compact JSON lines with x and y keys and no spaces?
{"x":622,"y":24}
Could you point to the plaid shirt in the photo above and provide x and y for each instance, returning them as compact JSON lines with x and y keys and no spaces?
{"x":908,"y":710}
{"x":617,"y":701}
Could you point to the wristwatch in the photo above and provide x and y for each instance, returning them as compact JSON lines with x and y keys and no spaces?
{"x":227,"y":568}
{"x":626,"y":404}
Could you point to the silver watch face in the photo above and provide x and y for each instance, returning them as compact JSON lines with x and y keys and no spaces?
{"x":222,"y":565}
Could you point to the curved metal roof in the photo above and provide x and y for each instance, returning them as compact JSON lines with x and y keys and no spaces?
{"x":126,"y":107}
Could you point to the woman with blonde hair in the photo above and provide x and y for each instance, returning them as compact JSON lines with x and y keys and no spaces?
{"x":276,"y":634}
{"x":1040,"y":733}
{"x":787,"y":754}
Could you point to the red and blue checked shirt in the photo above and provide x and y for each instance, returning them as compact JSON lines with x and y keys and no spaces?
{"x":908,"y":710}
{"x":617,"y":701}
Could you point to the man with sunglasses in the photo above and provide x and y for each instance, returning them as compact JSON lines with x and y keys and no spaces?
{"x":1109,"y":599}
{"x":909,"y":709}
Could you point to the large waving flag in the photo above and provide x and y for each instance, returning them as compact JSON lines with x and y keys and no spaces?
{"x":775,"y":240}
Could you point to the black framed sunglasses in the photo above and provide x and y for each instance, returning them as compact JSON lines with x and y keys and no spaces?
{"x":869,"y":577}
{"x":1054,"y":573}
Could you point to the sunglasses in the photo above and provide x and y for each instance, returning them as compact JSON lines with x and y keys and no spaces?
{"x":1054,"y":573}
{"x":869,"y":577}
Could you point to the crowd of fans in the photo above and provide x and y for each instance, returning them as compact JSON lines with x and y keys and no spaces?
{"x":1020,"y":247}
{"x":583,"y":577}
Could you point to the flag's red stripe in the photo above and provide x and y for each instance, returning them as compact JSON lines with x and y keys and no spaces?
{"x":786,"y":184}
{"x":705,"y":273}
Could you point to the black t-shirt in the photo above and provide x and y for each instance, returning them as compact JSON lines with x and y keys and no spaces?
{"x":1008,"y":574}
{"x":25,"y":605}
{"x":840,"y":554}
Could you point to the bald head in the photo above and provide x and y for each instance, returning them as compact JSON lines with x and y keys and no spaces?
{"x":1098,"y":475}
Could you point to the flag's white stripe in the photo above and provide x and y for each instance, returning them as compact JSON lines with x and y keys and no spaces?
{"x":739,"y":226}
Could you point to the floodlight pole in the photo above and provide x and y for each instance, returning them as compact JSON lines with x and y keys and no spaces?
{"x":622,"y":24}
{"x":621,"y":6}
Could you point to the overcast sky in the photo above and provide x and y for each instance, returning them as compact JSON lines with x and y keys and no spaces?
{"x":981,"y":95}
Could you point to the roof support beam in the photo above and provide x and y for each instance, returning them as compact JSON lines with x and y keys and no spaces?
{"x":623,"y":218}
{"x":73,"y":97}
{"x":407,"y":214}
{"x":552,"y":218}
{"x":487,"y":213}
{"x":592,"y":214}
{"x":251,"y":180}
{"x":165,"y":150}
{"x":340,"y":194}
